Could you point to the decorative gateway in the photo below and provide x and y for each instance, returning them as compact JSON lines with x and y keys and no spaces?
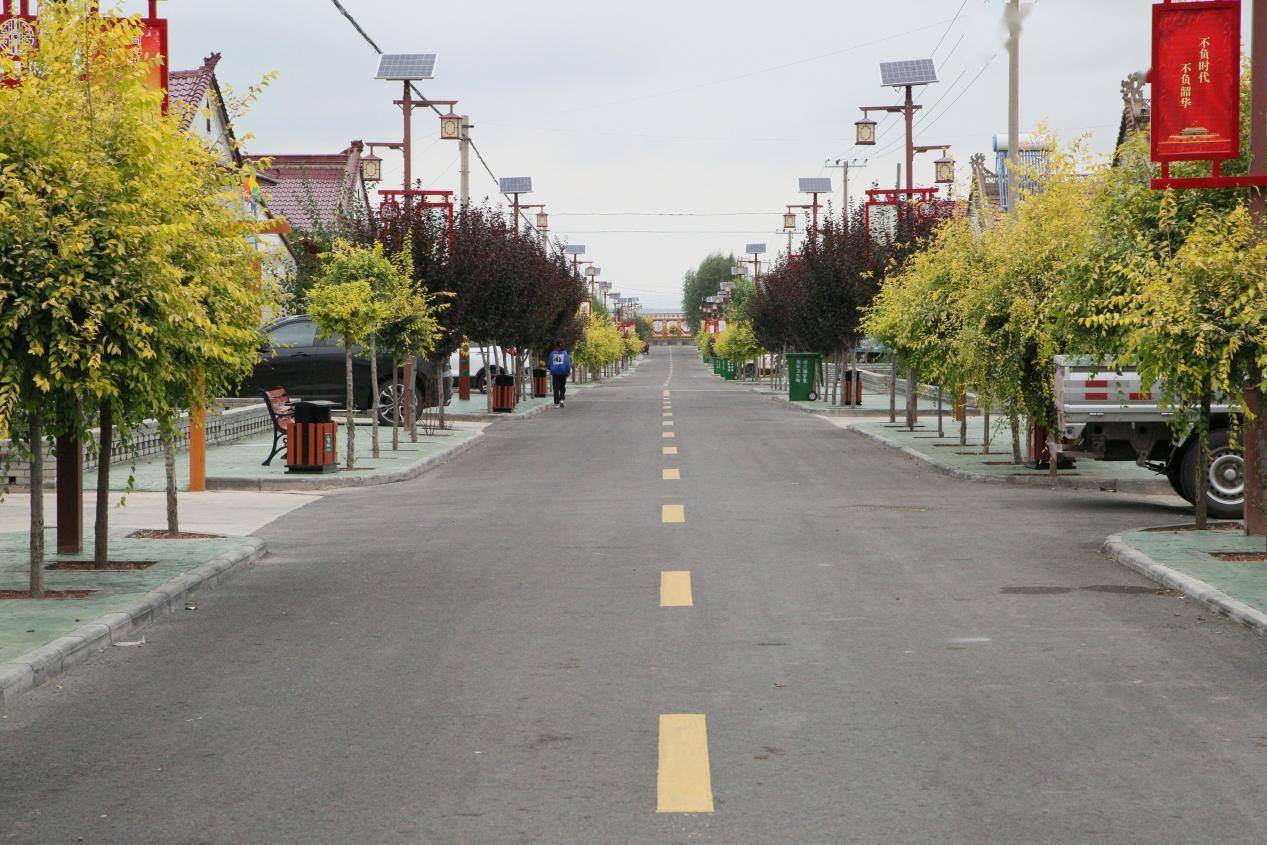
{"x":887,"y":210}
{"x":1196,"y":80}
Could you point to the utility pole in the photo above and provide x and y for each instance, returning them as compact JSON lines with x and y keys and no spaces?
{"x":1013,"y":15}
{"x":464,"y":146}
{"x":845,"y":165}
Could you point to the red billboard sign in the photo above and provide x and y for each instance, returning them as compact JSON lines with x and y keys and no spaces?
{"x":1196,"y":79}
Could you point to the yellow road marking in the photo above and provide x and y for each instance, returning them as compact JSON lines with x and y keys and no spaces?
{"x":670,"y":450}
{"x":669,"y":435}
{"x":670,"y":475}
{"x":675,"y":589}
{"x":668,"y":414}
{"x":666,"y":393}
{"x":667,"y":423}
{"x":684,"y":783}
{"x":673,"y":513}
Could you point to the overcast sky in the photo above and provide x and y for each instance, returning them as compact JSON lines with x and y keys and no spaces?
{"x":659,"y":107}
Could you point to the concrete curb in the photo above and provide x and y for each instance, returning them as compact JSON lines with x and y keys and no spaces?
{"x":52,"y":659}
{"x":334,"y":482}
{"x":1216,"y":600}
{"x":1110,"y":485}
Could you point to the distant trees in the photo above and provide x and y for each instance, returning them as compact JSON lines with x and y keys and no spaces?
{"x":703,"y":282}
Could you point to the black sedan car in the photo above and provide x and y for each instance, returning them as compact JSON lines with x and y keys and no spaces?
{"x":309,"y":366}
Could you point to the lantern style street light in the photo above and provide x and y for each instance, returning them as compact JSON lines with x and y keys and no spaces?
{"x":945,"y":166}
{"x":543,"y":220}
{"x":451,"y":126}
{"x":372,"y":168}
{"x":789,"y":220}
{"x":865,"y":131}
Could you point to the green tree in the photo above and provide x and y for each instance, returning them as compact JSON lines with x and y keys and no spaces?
{"x":702,"y":282}
{"x":342,"y":303}
{"x":125,"y":256}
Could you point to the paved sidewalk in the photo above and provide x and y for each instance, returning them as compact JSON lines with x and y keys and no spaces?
{"x":1189,"y":561}
{"x":236,"y":465}
{"x":968,"y":462}
{"x":41,"y":639}
{"x":873,"y":404}
{"x":234,"y":513}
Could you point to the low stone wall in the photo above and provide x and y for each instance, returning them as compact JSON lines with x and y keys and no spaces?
{"x":234,"y":419}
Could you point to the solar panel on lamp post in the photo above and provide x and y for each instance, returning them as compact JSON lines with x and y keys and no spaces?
{"x":815,"y":186}
{"x":407,"y":68}
{"x":513,"y":186}
{"x":907,"y":75}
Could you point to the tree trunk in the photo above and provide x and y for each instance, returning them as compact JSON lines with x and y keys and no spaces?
{"x":374,"y":393}
{"x":985,"y":433}
{"x":397,"y":405}
{"x":893,"y":387}
{"x":35,"y":422}
{"x":1202,"y":485}
{"x":101,"y":531}
{"x":941,"y":429}
{"x":438,"y":381}
{"x":1014,"y":421}
{"x":963,"y":417}
{"x":169,"y":466}
{"x":351,"y":414}
{"x":912,"y":398}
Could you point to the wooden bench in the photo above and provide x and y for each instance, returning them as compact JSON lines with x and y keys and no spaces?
{"x":282,"y":413}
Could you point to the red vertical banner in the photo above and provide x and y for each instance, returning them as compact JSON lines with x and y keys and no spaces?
{"x":1196,"y":79}
{"x":153,"y":47}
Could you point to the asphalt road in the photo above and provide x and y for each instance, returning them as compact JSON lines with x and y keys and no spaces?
{"x":873,"y":653}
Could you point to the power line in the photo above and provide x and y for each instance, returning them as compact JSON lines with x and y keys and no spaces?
{"x":947,"y":32}
{"x":379,"y":50}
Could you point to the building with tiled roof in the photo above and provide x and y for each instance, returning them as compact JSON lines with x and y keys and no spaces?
{"x":196,"y":99}
{"x":317,"y":192}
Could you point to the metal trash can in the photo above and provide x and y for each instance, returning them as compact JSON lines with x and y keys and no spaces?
{"x":540,"y":383}
{"x":802,"y":376}
{"x":503,"y":394}
{"x":310,"y":443}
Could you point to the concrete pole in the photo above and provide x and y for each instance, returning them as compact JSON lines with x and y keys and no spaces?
{"x":844,"y":208}
{"x":1013,"y":13}
{"x":464,"y":182}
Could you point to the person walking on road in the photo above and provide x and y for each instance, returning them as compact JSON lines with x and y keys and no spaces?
{"x":560,"y":367}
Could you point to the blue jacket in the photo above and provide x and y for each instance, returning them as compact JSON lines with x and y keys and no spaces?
{"x":559,"y":362}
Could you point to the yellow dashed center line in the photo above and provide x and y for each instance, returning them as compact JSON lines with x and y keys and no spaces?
{"x":669,"y":450}
{"x":671,"y":474}
{"x":684,"y":783}
{"x":675,"y":589}
{"x":673,"y":513}
{"x":669,"y":435}
{"x":667,"y":423}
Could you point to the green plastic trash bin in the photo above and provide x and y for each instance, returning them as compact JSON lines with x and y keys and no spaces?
{"x":716,"y":366}
{"x":802,"y":376}
{"x":729,"y":370}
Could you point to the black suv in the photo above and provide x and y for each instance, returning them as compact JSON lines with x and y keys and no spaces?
{"x":309,"y":366}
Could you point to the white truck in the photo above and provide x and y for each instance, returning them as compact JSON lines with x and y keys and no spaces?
{"x":1106,"y":414}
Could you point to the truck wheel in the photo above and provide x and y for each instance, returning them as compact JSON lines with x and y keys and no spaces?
{"x":1226,"y":498}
